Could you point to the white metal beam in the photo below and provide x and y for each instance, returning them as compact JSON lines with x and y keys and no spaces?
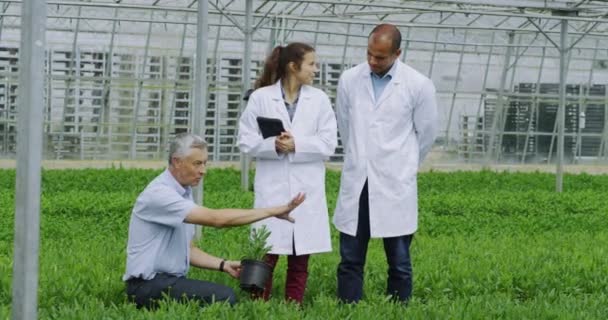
{"x":199,"y":107}
{"x":246,"y":73}
{"x":29,"y":158}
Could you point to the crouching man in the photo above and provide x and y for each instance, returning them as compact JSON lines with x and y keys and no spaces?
{"x":160,"y":248}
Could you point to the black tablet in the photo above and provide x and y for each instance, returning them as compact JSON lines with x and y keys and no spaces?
{"x":270,"y":127}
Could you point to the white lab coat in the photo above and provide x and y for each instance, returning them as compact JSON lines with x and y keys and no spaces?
{"x":384,"y":141}
{"x":279,"y":178}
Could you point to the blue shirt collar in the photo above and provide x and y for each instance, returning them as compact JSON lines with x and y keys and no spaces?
{"x":390,"y":74}
{"x":172,"y":182}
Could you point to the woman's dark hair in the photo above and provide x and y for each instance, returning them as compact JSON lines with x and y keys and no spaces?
{"x":275,"y":67}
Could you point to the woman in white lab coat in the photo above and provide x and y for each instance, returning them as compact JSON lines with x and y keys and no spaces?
{"x":293,"y":161}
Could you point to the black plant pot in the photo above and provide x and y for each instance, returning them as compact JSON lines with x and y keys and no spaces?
{"x":254,"y":275}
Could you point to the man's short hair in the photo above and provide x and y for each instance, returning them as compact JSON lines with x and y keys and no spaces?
{"x":391,"y":31}
{"x":183,"y":142}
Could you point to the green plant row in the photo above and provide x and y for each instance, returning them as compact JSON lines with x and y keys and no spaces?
{"x":485,"y":249}
{"x":133,"y":181}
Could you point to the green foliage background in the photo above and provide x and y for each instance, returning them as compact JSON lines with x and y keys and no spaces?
{"x":490,"y":246}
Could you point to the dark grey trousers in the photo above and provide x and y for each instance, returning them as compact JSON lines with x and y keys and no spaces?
{"x":145,"y":293}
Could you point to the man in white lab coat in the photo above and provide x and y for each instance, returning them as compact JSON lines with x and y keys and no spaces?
{"x":387,"y":117}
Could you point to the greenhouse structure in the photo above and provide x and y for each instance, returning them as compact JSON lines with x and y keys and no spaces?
{"x":120,"y":76}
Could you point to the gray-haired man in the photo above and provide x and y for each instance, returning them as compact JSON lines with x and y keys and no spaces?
{"x":160,"y":247}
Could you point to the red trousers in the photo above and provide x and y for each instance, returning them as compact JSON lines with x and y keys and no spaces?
{"x":297,"y":274}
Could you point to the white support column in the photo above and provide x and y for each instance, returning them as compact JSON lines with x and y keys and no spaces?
{"x":561,"y":110}
{"x":29,"y":159}
{"x":248,"y":28}
{"x":199,"y":108}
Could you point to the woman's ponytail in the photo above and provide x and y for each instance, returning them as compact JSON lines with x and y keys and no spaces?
{"x":269,"y":73}
{"x":275,"y":67}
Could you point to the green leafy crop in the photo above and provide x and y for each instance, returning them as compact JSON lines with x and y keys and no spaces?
{"x":258,"y":246}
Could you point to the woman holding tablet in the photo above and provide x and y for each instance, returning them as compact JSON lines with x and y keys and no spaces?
{"x":293,"y":160}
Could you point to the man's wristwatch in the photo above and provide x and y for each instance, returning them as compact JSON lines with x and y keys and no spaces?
{"x":222,"y":265}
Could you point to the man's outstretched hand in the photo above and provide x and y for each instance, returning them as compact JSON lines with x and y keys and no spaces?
{"x":286,"y":209}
